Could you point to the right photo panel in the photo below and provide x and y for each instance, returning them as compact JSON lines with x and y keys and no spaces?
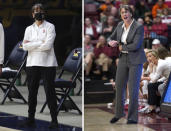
{"x":127,"y":65}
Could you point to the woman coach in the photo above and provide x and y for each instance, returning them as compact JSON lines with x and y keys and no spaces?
{"x":41,"y":63}
{"x":128,"y":35}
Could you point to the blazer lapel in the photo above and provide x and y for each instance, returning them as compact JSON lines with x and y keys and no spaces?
{"x":131,"y":32}
{"x":120,"y":33}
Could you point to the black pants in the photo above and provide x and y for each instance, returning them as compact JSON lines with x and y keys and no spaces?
{"x":34,"y":74}
{"x":153,"y":98}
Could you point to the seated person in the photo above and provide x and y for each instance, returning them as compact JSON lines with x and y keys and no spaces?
{"x":163,"y":68}
{"x":156,"y":44}
{"x":148,"y":72}
{"x":158,"y":7}
{"x":108,"y":27}
{"x":88,"y":54}
{"x":90,"y":29}
{"x":103,"y":56}
{"x":159,"y":31}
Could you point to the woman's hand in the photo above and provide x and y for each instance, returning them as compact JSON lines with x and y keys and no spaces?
{"x":113,"y":43}
{"x":98,"y":45}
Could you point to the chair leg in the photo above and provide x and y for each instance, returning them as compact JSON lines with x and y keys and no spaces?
{"x":60,"y":104}
{"x":20,"y":94}
{"x":4,"y":93}
{"x":79,"y":111}
{"x":64,"y":98}
{"x":42,"y":109}
{"x":7,"y":94}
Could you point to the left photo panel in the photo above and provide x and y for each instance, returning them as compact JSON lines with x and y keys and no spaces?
{"x":41,"y":65}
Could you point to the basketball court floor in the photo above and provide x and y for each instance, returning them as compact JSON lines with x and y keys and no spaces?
{"x":13,"y":113}
{"x":97,"y":117}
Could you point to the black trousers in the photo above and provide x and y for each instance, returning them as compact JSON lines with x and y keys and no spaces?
{"x":34,"y":74}
{"x":153,"y":98}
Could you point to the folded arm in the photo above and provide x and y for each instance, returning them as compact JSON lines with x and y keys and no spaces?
{"x":39,"y":45}
{"x":48,"y":44}
{"x":29,"y":46}
{"x":137,"y":41}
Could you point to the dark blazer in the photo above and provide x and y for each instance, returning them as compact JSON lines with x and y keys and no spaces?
{"x":134,"y":41}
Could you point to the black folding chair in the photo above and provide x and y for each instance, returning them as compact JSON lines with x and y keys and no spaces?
{"x":64,"y":87}
{"x":16,"y":62}
{"x":80,"y":81}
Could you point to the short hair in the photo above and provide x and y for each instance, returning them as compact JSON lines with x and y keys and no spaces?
{"x":38,"y":5}
{"x":162,"y":52}
{"x":126,"y":7}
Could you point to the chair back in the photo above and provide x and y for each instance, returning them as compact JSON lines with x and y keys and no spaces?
{"x":17,"y":56}
{"x":73,"y":61}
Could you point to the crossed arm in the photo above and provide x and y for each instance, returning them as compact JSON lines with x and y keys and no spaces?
{"x":39,"y":45}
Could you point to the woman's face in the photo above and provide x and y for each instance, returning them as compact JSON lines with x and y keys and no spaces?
{"x":151,"y":58}
{"x":87,"y":39}
{"x":37,"y":10}
{"x":87,"y":21}
{"x":102,"y":39}
{"x":148,"y":57}
{"x":110,"y":20}
{"x":126,"y":15}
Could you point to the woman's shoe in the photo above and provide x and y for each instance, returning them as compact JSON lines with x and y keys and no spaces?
{"x":131,"y":122}
{"x":114,"y":120}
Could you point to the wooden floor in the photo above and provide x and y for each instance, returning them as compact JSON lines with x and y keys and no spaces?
{"x":97,"y":119}
{"x":7,"y":129}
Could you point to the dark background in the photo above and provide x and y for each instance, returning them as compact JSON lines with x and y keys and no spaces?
{"x":15,"y":16}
